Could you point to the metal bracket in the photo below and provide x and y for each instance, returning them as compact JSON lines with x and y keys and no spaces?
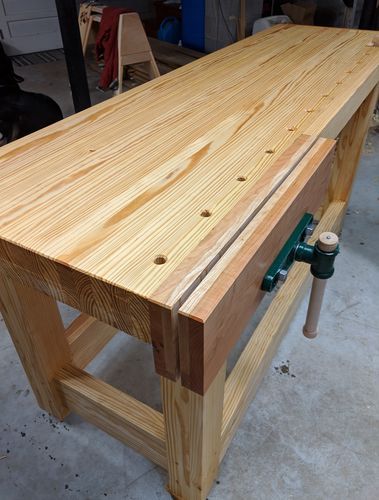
{"x":279,"y":268}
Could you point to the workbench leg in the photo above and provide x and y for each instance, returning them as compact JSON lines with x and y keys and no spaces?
{"x":193,"y":436}
{"x":349,"y":149}
{"x":37,"y":331}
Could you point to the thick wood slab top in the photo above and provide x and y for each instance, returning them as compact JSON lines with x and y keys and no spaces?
{"x":146,"y":177}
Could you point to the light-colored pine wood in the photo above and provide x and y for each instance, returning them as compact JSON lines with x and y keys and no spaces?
{"x":133,"y":47}
{"x":112,"y":305}
{"x":37,"y":331}
{"x":129,"y":208}
{"x":193,"y":436}
{"x":86,"y":33}
{"x":86,"y":191}
{"x":349,"y":149}
{"x":132,"y":38}
{"x":97,"y":9}
{"x":90,"y":204}
{"x":116,"y":413}
{"x":213,"y":318}
{"x":86,"y":337}
{"x":88,"y":14}
{"x":152,"y":67}
{"x":221,"y":238}
{"x":241,"y":27}
{"x":244,"y":380}
{"x":107,"y":192}
{"x":310,"y":328}
{"x":83,"y":21}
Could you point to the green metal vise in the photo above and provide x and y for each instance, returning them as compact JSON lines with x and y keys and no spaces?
{"x":321,"y":258}
{"x":295,"y":249}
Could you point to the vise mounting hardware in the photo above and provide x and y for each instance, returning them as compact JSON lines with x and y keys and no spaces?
{"x":321,"y":258}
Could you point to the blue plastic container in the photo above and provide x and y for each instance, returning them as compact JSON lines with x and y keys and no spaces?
{"x":193,"y":24}
{"x":170,"y":30}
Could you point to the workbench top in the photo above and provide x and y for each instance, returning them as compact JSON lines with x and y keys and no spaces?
{"x":129,"y":190}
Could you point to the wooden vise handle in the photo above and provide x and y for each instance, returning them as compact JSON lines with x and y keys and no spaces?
{"x":327,"y":242}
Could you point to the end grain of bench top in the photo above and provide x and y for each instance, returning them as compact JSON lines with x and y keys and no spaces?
{"x":127,"y":190}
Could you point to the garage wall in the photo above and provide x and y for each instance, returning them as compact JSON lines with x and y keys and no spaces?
{"x":29,"y":26}
{"x":221,"y":18}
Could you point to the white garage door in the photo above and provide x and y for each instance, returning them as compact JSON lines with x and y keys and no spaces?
{"x":29,"y":26}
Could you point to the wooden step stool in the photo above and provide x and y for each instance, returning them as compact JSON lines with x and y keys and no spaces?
{"x":133,"y":47}
{"x":133,"y":44}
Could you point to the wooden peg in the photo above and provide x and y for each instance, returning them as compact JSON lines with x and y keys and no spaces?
{"x":328,"y":242}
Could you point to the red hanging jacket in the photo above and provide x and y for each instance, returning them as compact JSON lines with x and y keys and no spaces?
{"x":106,"y":44}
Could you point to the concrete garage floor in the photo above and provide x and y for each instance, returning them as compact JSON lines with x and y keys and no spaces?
{"x":311,"y":433}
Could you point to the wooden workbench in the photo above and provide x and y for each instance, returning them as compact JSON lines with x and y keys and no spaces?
{"x":159,"y":212}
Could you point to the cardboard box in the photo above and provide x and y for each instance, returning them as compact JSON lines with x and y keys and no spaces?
{"x":300,"y":12}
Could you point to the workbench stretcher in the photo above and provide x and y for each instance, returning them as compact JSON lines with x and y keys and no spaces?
{"x":159,"y":212}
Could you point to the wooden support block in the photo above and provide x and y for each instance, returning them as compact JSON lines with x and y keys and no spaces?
{"x":244,"y":380}
{"x":37,"y":331}
{"x":113,"y":411}
{"x":193,"y":436}
{"x":87,"y":337}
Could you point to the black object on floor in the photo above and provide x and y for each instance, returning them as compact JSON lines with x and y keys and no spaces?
{"x":21,"y":113}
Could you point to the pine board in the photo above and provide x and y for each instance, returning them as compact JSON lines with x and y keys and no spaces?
{"x":108,"y":190}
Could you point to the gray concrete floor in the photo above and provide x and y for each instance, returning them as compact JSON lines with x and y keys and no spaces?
{"x":312,"y":432}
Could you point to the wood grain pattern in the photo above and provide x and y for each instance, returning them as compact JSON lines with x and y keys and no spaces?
{"x":216,"y":313}
{"x":86,"y":337}
{"x":104,"y":301}
{"x":169,"y":203}
{"x":349,"y":149}
{"x":88,"y":191}
{"x":244,"y":380}
{"x":37,"y":331}
{"x":116,"y":413}
{"x":189,"y":274}
{"x":193,"y":436}
{"x":107,"y":193}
